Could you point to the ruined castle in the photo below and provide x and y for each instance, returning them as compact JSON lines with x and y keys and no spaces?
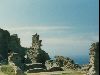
{"x":12,"y":51}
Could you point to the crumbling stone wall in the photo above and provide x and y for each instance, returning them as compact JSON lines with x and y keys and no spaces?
{"x":94,"y":59}
{"x":60,"y":61}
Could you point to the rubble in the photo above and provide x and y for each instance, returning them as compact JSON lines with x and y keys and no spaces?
{"x":60,"y":61}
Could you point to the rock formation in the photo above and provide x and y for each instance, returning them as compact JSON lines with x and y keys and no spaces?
{"x":14,"y":46}
{"x":60,"y":61}
{"x":4,"y":39}
{"x":9,"y":43}
{"x":94,"y":59}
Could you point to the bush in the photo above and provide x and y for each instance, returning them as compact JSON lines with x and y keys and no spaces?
{"x":8,"y":70}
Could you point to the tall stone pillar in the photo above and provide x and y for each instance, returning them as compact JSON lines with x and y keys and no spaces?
{"x":36,"y":43}
{"x":33,"y":52}
{"x":94,"y":59}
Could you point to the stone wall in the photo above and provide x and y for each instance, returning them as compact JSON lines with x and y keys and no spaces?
{"x":60,"y":61}
{"x":94,"y":59}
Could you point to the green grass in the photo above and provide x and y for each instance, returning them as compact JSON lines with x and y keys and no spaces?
{"x":2,"y":73}
{"x":6,"y":69}
{"x":69,"y":72}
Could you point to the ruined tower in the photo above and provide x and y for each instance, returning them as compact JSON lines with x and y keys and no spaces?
{"x":36,"y":43}
{"x":35,"y":53}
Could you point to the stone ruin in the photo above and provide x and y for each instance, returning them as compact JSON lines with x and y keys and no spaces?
{"x":9,"y":43}
{"x":94,"y":59}
{"x":13,"y":53}
{"x":85,"y":67}
{"x":35,"y":53}
{"x":14,"y":60}
{"x":62,"y":62}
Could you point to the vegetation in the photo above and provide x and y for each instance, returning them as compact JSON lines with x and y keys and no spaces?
{"x":9,"y":70}
{"x":68,"y":72}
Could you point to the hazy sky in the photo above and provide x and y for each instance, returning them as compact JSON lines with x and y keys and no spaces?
{"x":67,"y":27}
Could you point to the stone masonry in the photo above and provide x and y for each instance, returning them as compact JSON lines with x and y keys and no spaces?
{"x":94,"y":59}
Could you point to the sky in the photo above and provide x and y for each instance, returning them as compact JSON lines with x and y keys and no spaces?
{"x":66,"y":27}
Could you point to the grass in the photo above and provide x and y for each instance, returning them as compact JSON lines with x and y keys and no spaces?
{"x":2,"y":73}
{"x":69,"y":72}
{"x":6,"y":69}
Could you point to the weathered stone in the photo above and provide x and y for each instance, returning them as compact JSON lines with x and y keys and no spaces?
{"x":14,"y":53}
{"x":14,"y":45}
{"x":85,"y":67}
{"x":15,"y":58}
{"x":35,"y":53}
{"x":55,"y":69}
{"x":4,"y":39}
{"x":36,"y":67}
{"x":60,"y":61}
{"x":19,"y":71}
{"x":94,"y":59}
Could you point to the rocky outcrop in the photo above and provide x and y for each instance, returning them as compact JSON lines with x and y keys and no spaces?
{"x":94,"y":59}
{"x":4,"y":40}
{"x":9,"y":43}
{"x":60,"y":61}
{"x":14,"y":45}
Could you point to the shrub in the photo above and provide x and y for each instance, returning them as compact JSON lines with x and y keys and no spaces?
{"x":8,"y":70}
